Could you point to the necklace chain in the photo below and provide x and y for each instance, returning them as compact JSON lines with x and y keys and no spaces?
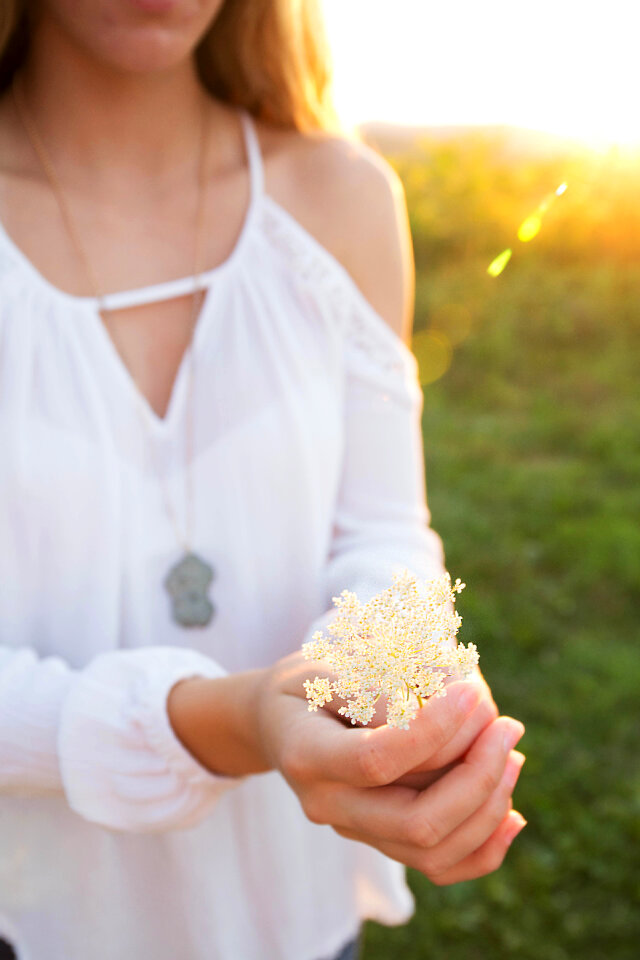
{"x":54,"y":181}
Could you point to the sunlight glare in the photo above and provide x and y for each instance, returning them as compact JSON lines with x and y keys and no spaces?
{"x":529,"y":228}
{"x":453,"y":320}
{"x":413,"y":62}
{"x":433,"y":351}
{"x":496,"y":266}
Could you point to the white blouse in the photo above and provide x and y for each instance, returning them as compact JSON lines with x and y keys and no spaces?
{"x":308,"y":479}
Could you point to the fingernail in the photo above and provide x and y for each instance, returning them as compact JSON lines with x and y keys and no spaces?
{"x":514,"y":767}
{"x":515,"y":830}
{"x":513,"y":734}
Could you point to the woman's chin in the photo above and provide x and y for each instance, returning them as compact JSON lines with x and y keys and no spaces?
{"x":148,"y":51}
{"x":132,"y":36}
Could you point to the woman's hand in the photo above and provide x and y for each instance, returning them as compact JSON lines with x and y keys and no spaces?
{"x":369,"y":783}
{"x":355,"y":779}
{"x":484,"y":713}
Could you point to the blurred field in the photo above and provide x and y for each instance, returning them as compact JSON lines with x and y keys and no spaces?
{"x":532,"y":442}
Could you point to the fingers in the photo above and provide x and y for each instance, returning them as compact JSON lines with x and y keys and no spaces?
{"x":460,"y":793}
{"x":476,"y":848}
{"x":422,"y":779}
{"x":437,"y":860}
{"x":321,"y":749}
{"x":488,"y":857}
{"x":441,"y":761}
{"x":479,"y":827}
{"x":480,"y":718}
{"x":401,"y":815}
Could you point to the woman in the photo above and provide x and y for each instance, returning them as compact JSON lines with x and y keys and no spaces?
{"x":210,"y":425}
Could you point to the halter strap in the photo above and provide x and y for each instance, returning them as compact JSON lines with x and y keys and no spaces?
{"x":254,"y":154}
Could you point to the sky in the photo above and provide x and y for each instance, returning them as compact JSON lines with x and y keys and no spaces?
{"x":563,"y":66}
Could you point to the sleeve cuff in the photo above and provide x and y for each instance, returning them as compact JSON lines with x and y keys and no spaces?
{"x":121,"y":764}
{"x":153,"y":717}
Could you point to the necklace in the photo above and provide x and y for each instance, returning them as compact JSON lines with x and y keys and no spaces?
{"x":188,"y":580}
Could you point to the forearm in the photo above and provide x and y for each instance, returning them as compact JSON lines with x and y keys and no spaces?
{"x":215,"y":720}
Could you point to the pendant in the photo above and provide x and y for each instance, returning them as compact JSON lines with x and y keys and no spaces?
{"x":187,"y":584}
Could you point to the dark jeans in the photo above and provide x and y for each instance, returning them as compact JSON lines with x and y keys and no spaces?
{"x":351,"y":951}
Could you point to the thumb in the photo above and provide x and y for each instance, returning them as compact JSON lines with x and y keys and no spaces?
{"x":374,"y":757}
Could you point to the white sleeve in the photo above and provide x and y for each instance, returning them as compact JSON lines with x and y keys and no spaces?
{"x":101,"y":736}
{"x":381,"y":520}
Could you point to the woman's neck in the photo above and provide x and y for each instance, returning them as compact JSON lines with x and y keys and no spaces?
{"x":103,"y":124}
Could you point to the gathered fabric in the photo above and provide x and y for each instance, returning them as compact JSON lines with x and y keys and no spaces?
{"x":308,"y":479}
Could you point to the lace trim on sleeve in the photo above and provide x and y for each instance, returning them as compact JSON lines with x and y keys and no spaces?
{"x":319,"y":271}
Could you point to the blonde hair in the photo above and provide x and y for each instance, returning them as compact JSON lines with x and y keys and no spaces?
{"x":269,"y":56}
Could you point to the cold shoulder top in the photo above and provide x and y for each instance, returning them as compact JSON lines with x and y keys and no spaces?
{"x":308,"y":479}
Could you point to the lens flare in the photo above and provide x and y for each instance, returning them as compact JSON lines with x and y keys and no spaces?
{"x":529,"y":228}
{"x":496,"y":266}
{"x":433,"y":351}
{"x":453,"y":320}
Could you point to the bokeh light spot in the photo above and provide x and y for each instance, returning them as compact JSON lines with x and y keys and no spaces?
{"x":453,"y":320}
{"x":529,"y":228}
{"x":561,"y":189}
{"x":432,"y":349}
{"x":496,"y":266}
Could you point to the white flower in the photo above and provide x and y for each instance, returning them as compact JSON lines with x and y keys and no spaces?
{"x":401,"y":645}
{"x":318,"y":692}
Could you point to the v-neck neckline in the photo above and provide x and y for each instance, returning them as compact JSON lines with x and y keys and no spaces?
{"x":157,"y":425}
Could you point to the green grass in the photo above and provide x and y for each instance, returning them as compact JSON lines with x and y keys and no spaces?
{"x":532,"y":446}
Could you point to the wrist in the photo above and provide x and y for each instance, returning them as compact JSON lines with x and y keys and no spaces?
{"x":215,"y":720}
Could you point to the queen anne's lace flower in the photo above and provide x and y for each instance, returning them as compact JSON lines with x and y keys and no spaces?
{"x":401,"y":645}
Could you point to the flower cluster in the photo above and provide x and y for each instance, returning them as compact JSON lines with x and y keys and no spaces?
{"x":401,"y":645}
